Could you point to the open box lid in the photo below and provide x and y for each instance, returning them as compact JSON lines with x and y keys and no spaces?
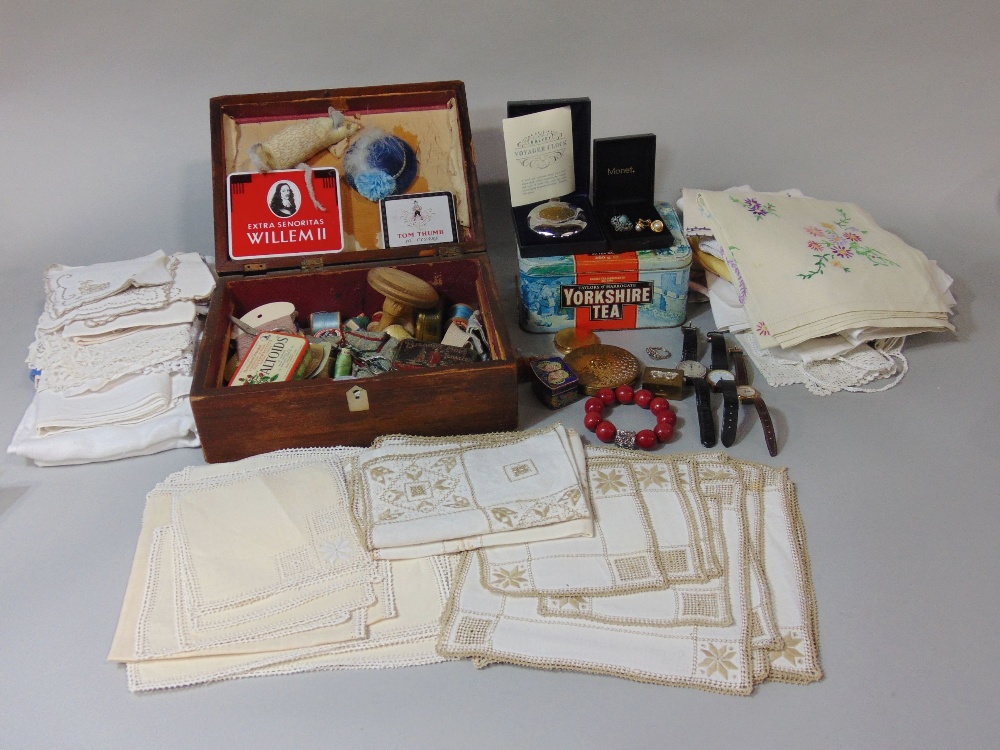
{"x":580,"y":113}
{"x":432,"y":118}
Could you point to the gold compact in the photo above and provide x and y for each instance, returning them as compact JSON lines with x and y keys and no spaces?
{"x":603,"y":366}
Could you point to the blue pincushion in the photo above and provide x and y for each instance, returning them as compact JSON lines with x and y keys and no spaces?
{"x":379,"y":164}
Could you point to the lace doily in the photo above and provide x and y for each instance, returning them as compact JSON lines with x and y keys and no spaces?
{"x":847,"y":372}
{"x":74,"y":368}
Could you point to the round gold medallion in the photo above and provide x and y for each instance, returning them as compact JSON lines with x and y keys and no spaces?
{"x":603,"y":366}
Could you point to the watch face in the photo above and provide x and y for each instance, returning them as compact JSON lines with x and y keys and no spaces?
{"x":717,"y":376}
{"x":692,"y":369}
{"x":747,"y":392}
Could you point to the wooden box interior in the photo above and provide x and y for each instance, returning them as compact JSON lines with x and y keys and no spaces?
{"x":235,"y":422}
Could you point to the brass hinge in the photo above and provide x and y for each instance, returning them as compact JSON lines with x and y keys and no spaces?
{"x":449,"y":251}
{"x":254,"y":267}
{"x":312,"y":264}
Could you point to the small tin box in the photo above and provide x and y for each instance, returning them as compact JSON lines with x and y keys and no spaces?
{"x":554,"y":383}
{"x":661,"y":381}
{"x":613,"y":291}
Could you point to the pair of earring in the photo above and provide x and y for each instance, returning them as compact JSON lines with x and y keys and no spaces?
{"x":655,"y":225}
{"x":622,"y":223}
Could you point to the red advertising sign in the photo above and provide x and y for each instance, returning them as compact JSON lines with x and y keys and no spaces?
{"x":275,"y":213}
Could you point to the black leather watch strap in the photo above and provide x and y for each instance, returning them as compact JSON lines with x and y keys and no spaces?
{"x":689,"y":349}
{"x":720,"y":357}
{"x":739,"y":366}
{"x":765,"y":421}
{"x":706,"y":422}
{"x":730,"y":411}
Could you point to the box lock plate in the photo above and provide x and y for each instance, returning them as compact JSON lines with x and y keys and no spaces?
{"x":357,"y":399}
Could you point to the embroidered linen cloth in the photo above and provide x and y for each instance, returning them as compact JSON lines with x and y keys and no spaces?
{"x":756,"y":620}
{"x":112,"y":360}
{"x":423,"y":496}
{"x":264,"y":557}
{"x":648,"y":533}
{"x":188,"y":278}
{"x":70,"y":287}
{"x":812,"y":268}
{"x":211,"y":597}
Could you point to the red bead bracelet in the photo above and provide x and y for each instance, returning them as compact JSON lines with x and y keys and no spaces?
{"x":606,"y":432}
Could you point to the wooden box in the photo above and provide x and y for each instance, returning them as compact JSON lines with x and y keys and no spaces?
{"x":235,"y":422}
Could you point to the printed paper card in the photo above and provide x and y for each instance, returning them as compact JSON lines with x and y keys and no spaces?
{"x":275,"y":213}
{"x":539,"y":150}
{"x":419,"y":219}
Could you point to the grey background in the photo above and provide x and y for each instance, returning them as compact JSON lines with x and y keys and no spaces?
{"x":104,"y":146}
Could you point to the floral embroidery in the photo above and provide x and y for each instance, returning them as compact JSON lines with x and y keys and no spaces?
{"x":609,"y":481}
{"x":509,"y":579}
{"x":755,"y":207}
{"x":741,"y":284}
{"x":650,"y":476}
{"x":718,"y":659}
{"x":836,"y":243}
{"x":762,"y":329}
{"x":504,"y":515}
{"x":335,"y":550}
{"x":790,"y":652}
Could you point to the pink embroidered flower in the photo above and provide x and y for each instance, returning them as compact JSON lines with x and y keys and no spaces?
{"x":815,"y":231}
{"x":762,"y":329}
{"x":814,"y":246}
{"x":852,"y":235}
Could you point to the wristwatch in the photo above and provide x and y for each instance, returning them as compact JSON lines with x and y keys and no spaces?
{"x":747,"y":394}
{"x":689,"y":364}
{"x":694,"y":375}
{"x":722,"y":380}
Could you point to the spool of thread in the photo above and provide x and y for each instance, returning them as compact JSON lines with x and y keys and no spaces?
{"x":344,"y":363}
{"x":357,"y":323}
{"x":274,"y":316}
{"x":325,"y":324}
{"x":459,"y":313}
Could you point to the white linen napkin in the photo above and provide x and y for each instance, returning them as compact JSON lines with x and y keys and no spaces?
{"x":424,"y":496}
{"x":173,"y":428}
{"x":126,"y":401}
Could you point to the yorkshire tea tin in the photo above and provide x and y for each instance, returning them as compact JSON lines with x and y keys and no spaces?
{"x":613,"y":291}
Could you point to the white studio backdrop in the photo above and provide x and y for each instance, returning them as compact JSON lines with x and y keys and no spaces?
{"x":892,"y":104}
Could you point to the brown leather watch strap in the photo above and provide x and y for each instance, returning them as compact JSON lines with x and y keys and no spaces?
{"x":739,"y":366}
{"x":765,"y":421}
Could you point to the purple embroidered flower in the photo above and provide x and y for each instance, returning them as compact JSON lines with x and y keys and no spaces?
{"x":815,"y":231}
{"x":841,"y":251}
{"x":755,"y":207}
